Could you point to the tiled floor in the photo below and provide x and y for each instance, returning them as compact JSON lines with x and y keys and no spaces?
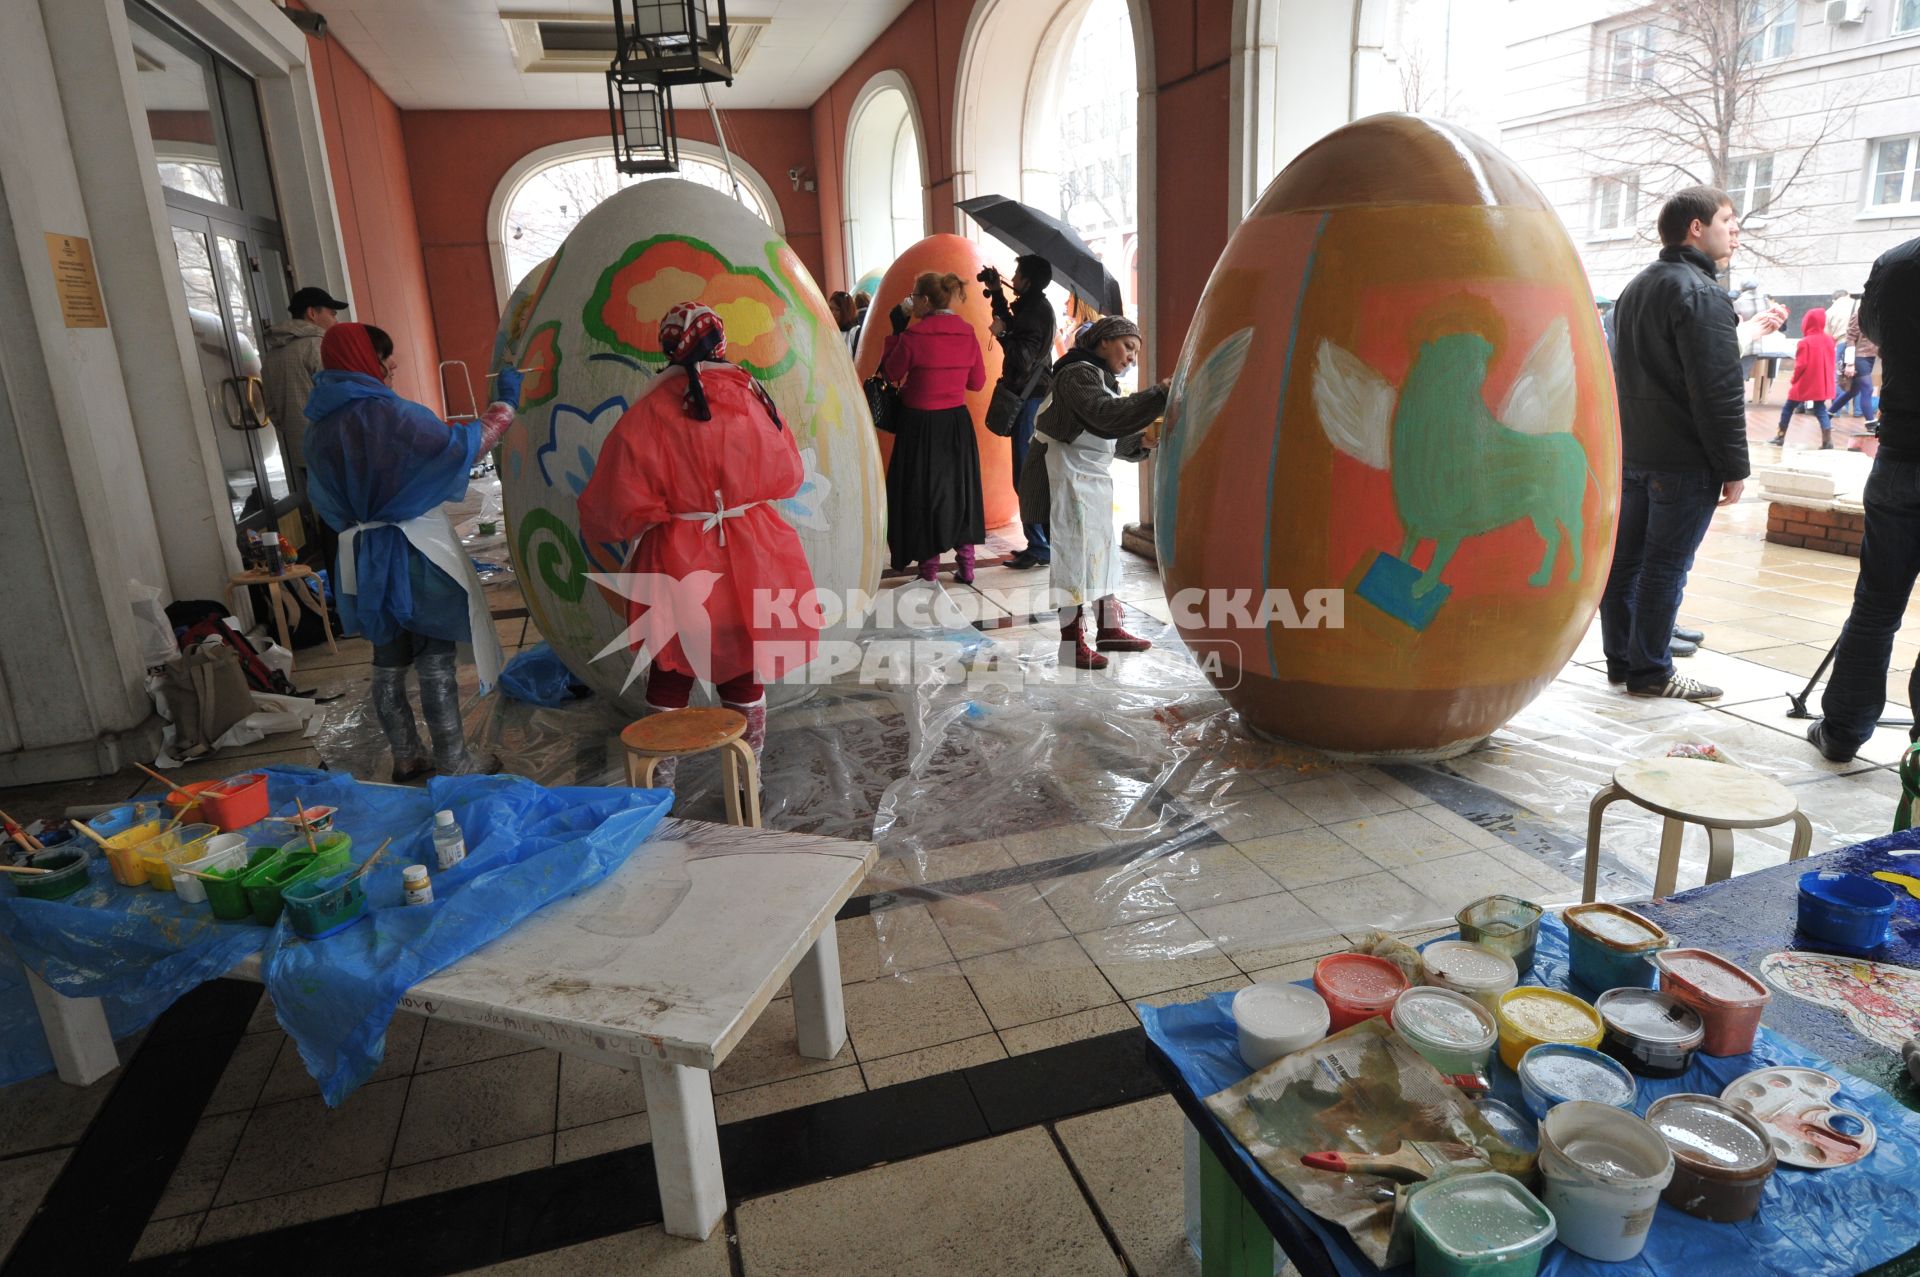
{"x":1062,"y":924}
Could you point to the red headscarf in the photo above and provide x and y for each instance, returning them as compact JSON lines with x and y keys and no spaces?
{"x":347,"y":348}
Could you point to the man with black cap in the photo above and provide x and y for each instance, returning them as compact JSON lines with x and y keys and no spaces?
{"x":287,"y":372}
{"x":1025,"y":332}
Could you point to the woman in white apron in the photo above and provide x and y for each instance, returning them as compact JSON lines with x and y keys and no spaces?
{"x":379,"y":469}
{"x":1087,"y":423}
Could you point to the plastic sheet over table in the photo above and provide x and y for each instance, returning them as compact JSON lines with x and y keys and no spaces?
{"x":526,"y":846}
{"x":1827,"y":1223}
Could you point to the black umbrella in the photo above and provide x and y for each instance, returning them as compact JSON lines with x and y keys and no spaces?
{"x":1025,"y":229}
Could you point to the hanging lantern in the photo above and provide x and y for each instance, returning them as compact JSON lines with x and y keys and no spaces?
{"x":643,"y":135}
{"x":675,"y":41}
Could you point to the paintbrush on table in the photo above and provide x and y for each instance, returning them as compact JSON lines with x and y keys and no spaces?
{"x":23,"y":869}
{"x":377,"y":853}
{"x":1413,"y":1161}
{"x":19,"y":834}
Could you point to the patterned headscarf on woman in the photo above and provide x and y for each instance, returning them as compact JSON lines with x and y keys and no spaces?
{"x":691,"y":334}
{"x":1106,"y":328}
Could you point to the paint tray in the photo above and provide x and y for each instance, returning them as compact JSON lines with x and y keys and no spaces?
{"x":123,"y":852}
{"x":236,"y":802}
{"x":159,"y":854}
{"x":264,"y":882}
{"x":226,"y":890}
{"x":320,"y":905}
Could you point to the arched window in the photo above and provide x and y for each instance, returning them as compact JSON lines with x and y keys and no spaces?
{"x":544,"y":197}
{"x":886,"y":198}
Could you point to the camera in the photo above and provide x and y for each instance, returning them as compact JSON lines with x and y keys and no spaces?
{"x":989,"y":276}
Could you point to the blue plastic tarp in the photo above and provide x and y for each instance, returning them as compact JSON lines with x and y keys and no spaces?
{"x":1827,"y":1223}
{"x":539,"y":677}
{"x":141,"y":949}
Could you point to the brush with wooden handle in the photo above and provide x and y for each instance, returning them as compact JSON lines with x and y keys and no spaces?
{"x":23,"y":869}
{"x":92,"y":833}
{"x":20,"y":835}
{"x":1411,"y":1162}
{"x":178,"y":789}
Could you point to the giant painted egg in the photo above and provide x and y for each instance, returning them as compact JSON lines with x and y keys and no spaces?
{"x":587,"y":326}
{"x":1392,"y":440}
{"x":955,"y":254}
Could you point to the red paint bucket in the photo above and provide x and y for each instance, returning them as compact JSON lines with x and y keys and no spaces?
{"x":1728,"y":1000}
{"x":1357,"y":986}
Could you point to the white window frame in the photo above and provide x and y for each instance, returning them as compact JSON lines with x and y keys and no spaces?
{"x":1909,"y":203}
{"x":1742,"y":190}
{"x":1629,"y":187}
{"x":1912,"y":9}
{"x":1785,"y":16}
{"x":1645,"y":63}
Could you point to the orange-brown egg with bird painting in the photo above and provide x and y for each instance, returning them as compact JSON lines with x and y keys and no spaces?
{"x":1393,"y":443}
{"x":943,"y":255}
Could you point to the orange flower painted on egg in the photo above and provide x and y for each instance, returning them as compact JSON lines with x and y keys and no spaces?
{"x":658,"y":274}
{"x":542,"y":362}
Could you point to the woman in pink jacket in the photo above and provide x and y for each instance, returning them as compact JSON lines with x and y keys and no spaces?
{"x":933,"y":480}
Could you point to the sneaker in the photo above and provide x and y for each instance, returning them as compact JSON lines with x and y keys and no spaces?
{"x":1690,"y":636}
{"x":1679,"y":688}
{"x":1829,"y":749}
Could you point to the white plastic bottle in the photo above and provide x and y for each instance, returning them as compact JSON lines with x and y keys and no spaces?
{"x":449,"y":844}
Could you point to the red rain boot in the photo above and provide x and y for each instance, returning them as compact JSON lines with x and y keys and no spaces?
{"x":963,"y":565}
{"x":1111,"y":638}
{"x":1073,"y":646}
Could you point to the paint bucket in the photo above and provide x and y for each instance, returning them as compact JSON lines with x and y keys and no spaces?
{"x":226,"y":888}
{"x":236,"y":802}
{"x":1727,"y":999}
{"x":109,"y":824}
{"x":1654,"y":1034}
{"x":1603,"y":1170}
{"x":1518,"y":1149}
{"x":1453,"y":1032}
{"x":187,"y":805}
{"x":123,"y":851}
{"x":264,"y":882}
{"x":1722,"y":1158}
{"x":157,"y":854}
{"x":1274,"y":1019}
{"x":1504,"y":924}
{"x":1554,"y":1073}
{"x":319,"y":906}
{"x":1479,"y":973}
{"x":1845,"y":912}
{"x":1357,"y":986}
{"x":1531,"y":1015}
{"x":67,"y":874}
{"x":1482,"y":1224}
{"x":222,"y":851}
{"x":1608,"y":947}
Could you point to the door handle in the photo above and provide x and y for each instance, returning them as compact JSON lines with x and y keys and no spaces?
{"x":245,"y":402}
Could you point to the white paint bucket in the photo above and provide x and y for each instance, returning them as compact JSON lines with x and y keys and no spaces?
{"x":1274,"y":1019}
{"x":1603,"y":1171}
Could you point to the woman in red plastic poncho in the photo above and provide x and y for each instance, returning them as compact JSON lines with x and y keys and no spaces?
{"x":720,"y":589}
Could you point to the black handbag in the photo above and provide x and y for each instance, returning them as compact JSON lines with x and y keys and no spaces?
{"x":883,"y":401}
{"x":1003,"y":410}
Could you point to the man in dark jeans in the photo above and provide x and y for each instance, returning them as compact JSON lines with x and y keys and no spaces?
{"x":1025,"y":332}
{"x":1889,"y":315}
{"x":1683,"y":436}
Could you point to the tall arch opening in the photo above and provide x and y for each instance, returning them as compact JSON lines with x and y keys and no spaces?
{"x":886,"y":209}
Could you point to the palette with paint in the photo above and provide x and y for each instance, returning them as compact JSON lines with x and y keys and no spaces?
{"x":1795,"y":1106}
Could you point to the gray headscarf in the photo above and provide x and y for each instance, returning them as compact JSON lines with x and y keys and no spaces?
{"x":1107,"y":328}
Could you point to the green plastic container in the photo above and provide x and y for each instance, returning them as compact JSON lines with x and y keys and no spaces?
{"x":264,"y":882}
{"x":226,"y":889}
{"x":1479,"y":1225}
{"x":69,"y":874}
{"x":320,"y":905}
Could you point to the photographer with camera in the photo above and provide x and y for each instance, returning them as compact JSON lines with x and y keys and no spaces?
{"x":1025,"y":331}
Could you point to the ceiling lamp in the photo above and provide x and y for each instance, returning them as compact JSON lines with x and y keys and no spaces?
{"x":643,"y":134}
{"x":674,"y":42}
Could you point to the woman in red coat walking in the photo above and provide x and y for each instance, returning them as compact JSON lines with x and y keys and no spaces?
{"x":691,"y":472}
{"x":1813,"y":376}
{"x":934,"y":503}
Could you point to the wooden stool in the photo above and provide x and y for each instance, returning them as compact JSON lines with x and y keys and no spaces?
{"x":682,"y":733}
{"x":1719,"y":797}
{"x":298,"y":578}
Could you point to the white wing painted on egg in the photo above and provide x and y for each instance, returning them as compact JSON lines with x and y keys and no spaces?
{"x":1355,"y":405}
{"x":1206,"y":392}
{"x":1542,"y":399}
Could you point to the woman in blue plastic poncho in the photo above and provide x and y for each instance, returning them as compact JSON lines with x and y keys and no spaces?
{"x":379,"y":468}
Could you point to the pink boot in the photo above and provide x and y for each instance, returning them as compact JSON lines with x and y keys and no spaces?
{"x":963,"y":565}
{"x":1074,"y":648}
{"x":929,"y":568}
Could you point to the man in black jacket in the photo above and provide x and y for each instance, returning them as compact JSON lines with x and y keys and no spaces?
{"x":1683,"y":436}
{"x":1890,"y":552}
{"x":1025,"y":333}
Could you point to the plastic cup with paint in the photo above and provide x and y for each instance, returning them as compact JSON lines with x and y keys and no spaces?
{"x":1504,"y":924}
{"x":1274,"y":1020}
{"x":1451,"y":1031}
{"x":1602,"y":1171}
{"x":1470,"y":969}
{"x":1722,"y":1158}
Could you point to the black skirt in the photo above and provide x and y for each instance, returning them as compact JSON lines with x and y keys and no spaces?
{"x":933,"y":485}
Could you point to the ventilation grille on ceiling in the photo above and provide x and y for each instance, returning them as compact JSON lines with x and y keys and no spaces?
{"x":583,"y":45}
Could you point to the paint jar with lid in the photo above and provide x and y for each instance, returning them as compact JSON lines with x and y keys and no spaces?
{"x":1357,"y":986}
{"x":1608,"y":947}
{"x":1504,"y":924}
{"x":1516,"y":1149}
{"x":1602,"y":1171}
{"x":1727,"y":999}
{"x":418,"y":886}
{"x":1555,"y":1072}
{"x":1480,"y":974}
{"x":1531,"y":1015}
{"x":1846,"y":913}
{"x":1722,"y":1158}
{"x":1482,"y":1224}
{"x":1654,"y":1034}
{"x":1453,"y":1032}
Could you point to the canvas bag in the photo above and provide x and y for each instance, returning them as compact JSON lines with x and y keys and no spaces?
{"x":1004,"y":408}
{"x":206,"y":692}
